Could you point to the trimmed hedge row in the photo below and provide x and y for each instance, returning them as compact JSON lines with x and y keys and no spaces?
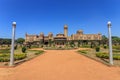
{"x":82,"y":51}
{"x":106,"y":56}
{"x":39,"y":52}
{"x":6,"y":57}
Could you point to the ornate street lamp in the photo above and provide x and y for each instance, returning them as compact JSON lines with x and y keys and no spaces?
{"x":12,"y":44}
{"x":110,"y":43}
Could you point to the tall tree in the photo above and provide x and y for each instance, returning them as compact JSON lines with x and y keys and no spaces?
{"x":104,"y":40}
{"x":20,"y":40}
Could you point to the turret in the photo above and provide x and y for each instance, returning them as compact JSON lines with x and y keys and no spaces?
{"x":79,"y":32}
{"x":65,"y":30}
{"x":50,"y":35}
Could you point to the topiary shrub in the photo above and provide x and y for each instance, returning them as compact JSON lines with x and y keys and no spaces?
{"x":24,"y":49}
{"x":15,"y":47}
{"x":105,"y":47}
{"x":97,"y":49}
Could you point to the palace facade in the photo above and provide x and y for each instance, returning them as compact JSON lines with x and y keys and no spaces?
{"x":61,"y":39}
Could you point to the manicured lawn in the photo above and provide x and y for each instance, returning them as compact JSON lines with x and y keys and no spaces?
{"x":19,"y":56}
{"x":102,"y":56}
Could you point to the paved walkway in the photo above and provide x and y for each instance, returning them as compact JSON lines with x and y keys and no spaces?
{"x":60,"y":65}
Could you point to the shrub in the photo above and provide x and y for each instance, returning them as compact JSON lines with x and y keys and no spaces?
{"x":105,"y":47}
{"x":24,"y":49}
{"x":102,"y":55}
{"x":6,"y":57}
{"x":4,"y":50}
{"x":116,"y":51}
{"x":106,"y":56}
{"x":82,"y":51}
{"x":97,"y":49}
{"x":15,"y":47}
{"x":116,"y":47}
{"x":39,"y":52}
{"x":19,"y":56}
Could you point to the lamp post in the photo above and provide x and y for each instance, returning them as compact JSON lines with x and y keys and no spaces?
{"x":12,"y":44}
{"x":110,"y":43}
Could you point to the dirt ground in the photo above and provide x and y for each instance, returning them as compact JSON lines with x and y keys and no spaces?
{"x":61,"y":65}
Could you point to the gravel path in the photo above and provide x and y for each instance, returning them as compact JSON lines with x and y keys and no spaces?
{"x":60,"y":65}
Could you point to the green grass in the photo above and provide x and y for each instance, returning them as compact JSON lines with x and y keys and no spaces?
{"x":4,"y":51}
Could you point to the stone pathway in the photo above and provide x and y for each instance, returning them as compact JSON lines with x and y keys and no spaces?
{"x":60,"y":65}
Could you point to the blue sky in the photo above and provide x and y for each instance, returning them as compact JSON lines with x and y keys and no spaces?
{"x":35,"y":16}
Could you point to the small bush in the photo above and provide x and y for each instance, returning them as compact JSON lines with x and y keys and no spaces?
{"x":97,"y":49}
{"x":116,"y":47}
{"x":15,"y":47}
{"x":106,"y":56}
{"x":116,"y":51}
{"x":102,"y":55}
{"x":24,"y":49}
{"x":105,"y":47}
{"x":20,"y":56}
{"x":4,"y":51}
{"x":82,"y":51}
{"x":6,"y":57}
{"x":39,"y":52}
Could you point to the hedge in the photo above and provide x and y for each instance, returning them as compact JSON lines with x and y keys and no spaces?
{"x":6,"y":57}
{"x":82,"y":51}
{"x":106,"y":56}
{"x":39,"y":52}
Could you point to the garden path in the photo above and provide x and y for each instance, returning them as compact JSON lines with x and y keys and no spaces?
{"x":60,"y":65}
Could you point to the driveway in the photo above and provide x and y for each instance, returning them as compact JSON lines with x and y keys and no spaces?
{"x":61,"y":65}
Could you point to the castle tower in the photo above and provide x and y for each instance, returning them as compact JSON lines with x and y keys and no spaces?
{"x":41,"y":36}
{"x":50,"y":35}
{"x":66,"y":30}
{"x":80,"y":32}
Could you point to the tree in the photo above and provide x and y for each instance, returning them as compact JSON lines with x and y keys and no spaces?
{"x":72,"y":43}
{"x":20,"y":40}
{"x":104,"y":40}
{"x":79,"y":43}
{"x":115,"y":40}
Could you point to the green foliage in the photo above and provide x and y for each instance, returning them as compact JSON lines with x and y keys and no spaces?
{"x":86,"y":46}
{"x":34,"y":46}
{"x":106,"y":56}
{"x":6,"y":57}
{"x":116,"y":47}
{"x":24,"y":49}
{"x":4,"y":50}
{"x":39,"y":52}
{"x":116,"y":51}
{"x":102,"y":55}
{"x":5,"y":41}
{"x":15,"y":47}
{"x":72,"y":44}
{"x":82,"y":51}
{"x":20,"y":40}
{"x":19,"y":56}
{"x":97,"y":49}
{"x":105,"y":47}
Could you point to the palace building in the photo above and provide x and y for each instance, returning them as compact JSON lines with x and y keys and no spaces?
{"x":61,"y":39}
